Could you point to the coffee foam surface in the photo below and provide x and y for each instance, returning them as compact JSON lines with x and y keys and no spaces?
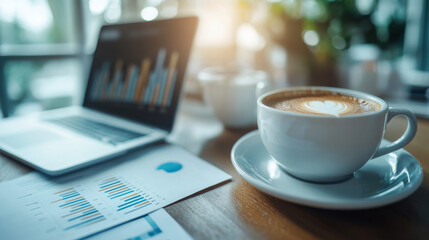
{"x":323,"y":103}
{"x":326,"y":107}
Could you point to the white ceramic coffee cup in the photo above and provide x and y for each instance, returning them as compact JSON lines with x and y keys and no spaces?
{"x":324,"y":148}
{"x":232,"y":93}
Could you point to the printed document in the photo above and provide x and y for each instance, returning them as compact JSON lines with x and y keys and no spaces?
{"x":83,"y":203}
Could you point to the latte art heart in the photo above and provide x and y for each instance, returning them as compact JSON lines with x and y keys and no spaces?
{"x":322,"y":103}
{"x":329,"y":107}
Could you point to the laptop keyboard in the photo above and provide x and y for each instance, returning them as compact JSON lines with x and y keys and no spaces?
{"x":99,"y":131}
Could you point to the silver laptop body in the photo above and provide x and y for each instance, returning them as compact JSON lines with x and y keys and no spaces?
{"x":131,"y":100}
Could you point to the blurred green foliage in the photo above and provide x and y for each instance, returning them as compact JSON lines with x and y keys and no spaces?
{"x":338,"y":24}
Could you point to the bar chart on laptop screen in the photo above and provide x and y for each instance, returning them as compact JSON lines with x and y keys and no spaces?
{"x":149,"y":83}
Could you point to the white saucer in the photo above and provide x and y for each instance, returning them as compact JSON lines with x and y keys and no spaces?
{"x":381,"y":181}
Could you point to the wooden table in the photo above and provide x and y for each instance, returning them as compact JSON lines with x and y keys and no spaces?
{"x":236,"y":210}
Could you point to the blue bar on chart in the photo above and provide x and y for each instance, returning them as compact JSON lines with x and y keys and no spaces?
{"x":78,"y":211}
{"x":171,"y":81}
{"x":149,"y":89}
{"x":163,"y":84}
{"x":99,"y":79}
{"x":109,"y":86}
{"x":125,"y":196}
{"x":116,"y":85}
{"x":132,"y":84}
{"x":155,"y":76}
{"x":170,"y":94}
{"x":96,"y":84}
{"x":117,"y":79}
{"x":119,"y":87}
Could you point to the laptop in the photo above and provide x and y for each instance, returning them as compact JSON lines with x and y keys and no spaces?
{"x":130,"y":100}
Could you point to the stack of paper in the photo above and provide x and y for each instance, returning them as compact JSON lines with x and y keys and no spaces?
{"x":89,"y":201}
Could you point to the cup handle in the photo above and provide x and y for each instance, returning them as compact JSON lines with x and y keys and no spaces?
{"x":405,"y":138}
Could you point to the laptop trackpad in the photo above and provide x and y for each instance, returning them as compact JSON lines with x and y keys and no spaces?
{"x":29,"y":138}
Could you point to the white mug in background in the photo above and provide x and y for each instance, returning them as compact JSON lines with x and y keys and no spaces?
{"x":232,"y":92}
{"x":323,"y":148}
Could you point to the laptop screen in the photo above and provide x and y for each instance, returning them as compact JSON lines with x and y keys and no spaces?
{"x":138,"y":69}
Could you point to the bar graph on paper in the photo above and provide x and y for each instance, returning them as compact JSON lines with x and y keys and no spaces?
{"x":146,"y":83}
{"x":97,"y":204}
{"x":75,"y":210}
{"x":126,"y":197}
